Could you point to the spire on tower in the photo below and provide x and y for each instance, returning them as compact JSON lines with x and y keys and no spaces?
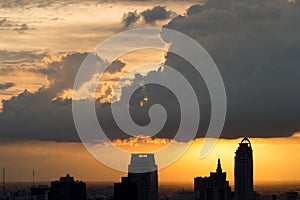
{"x":219,"y":168}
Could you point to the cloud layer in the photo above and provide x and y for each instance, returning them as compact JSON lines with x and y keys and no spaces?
{"x":254,"y":43}
{"x":4,"y":86}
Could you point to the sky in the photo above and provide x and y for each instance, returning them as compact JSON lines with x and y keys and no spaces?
{"x":254,"y":43}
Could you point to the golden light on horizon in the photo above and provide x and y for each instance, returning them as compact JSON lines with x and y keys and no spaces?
{"x":274,"y":160}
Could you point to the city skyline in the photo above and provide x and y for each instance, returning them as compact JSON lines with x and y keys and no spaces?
{"x":86,"y":84}
{"x":141,"y":183}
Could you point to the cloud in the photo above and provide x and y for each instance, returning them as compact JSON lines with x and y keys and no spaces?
{"x":44,"y":115}
{"x":40,"y":115}
{"x":37,"y":118}
{"x":155,"y":14}
{"x":116,"y":66}
{"x":296,"y":135}
{"x":130,"y":18}
{"x":2,"y":21}
{"x":255,"y":45}
{"x":150,"y":16}
{"x":7,"y":24}
{"x":21,"y":57}
{"x":5,"y":86}
{"x":22,"y":28}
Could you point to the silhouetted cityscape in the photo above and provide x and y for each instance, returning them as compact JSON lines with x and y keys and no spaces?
{"x":141,"y":183}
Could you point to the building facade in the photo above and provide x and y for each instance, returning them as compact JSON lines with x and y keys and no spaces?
{"x":142,"y":179}
{"x":243,"y":171}
{"x":66,"y":188}
{"x":214,"y":187}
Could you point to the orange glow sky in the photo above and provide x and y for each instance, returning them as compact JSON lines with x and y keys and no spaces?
{"x":274,"y":160}
{"x":60,"y":30}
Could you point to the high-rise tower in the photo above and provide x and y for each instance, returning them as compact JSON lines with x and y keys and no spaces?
{"x":214,"y":187}
{"x":142,"y":180}
{"x":243,"y":171}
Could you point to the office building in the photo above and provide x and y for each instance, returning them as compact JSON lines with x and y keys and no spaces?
{"x":142,"y":179}
{"x":243,"y":171}
{"x":214,"y":187}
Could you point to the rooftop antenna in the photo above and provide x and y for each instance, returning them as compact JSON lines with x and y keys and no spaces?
{"x":3,"y":182}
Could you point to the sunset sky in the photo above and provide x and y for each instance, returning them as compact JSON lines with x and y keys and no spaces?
{"x":254,"y":43}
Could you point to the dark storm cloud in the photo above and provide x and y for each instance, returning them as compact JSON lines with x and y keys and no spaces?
{"x":130,"y":18}
{"x":256,"y":46}
{"x":41,"y":115}
{"x":116,"y":66}
{"x":149,"y":16}
{"x":37,"y":117}
{"x":5,"y":86}
{"x":155,"y":14}
{"x":62,"y":73}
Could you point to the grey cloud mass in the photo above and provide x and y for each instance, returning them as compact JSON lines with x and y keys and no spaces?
{"x":155,"y":14}
{"x":149,"y":16}
{"x":40,"y":115}
{"x":130,"y":18}
{"x":116,"y":66}
{"x":5,"y":86}
{"x":255,"y":44}
{"x":37,"y":117}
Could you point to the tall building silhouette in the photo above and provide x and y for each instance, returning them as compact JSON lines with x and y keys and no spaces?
{"x":214,"y":187}
{"x":243,"y":171}
{"x":67,"y":189}
{"x":142,"y":180}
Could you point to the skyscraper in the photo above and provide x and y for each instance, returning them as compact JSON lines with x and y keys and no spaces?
{"x":243,"y":171}
{"x":214,"y":187}
{"x":142,"y":179}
